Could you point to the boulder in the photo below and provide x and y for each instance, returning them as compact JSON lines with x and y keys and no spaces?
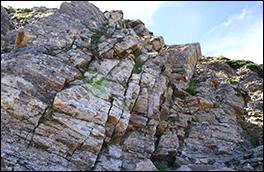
{"x":82,"y":90}
{"x":6,"y":24}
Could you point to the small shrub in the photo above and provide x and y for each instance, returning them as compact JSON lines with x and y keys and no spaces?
{"x":162,"y":117}
{"x":235,"y":64}
{"x":51,"y":51}
{"x":89,"y":81}
{"x":191,"y":88}
{"x":181,"y":145}
{"x":137,"y":66}
{"x":172,"y":97}
{"x":160,"y":167}
{"x":124,"y":85}
{"x":124,"y":100}
{"x":9,"y":9}
{"x":216,"y":105}
{"x":52,"y":109}
{"x":171,"y":84}
{"x":101,"y":81}
{"x":64,"y":61}
{"x":257,"y":93}
{"x":24,"y":10}
{"x":219,"y":74}
{"x":238,"y":92}
{"x":137,"y":52}
{"x":42,"y":119}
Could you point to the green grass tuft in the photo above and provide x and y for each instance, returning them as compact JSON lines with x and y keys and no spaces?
{"x":160,"y":167}
{"x":191,"y":88}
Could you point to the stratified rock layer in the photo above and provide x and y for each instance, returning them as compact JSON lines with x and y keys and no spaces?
{"x":94,"y":91}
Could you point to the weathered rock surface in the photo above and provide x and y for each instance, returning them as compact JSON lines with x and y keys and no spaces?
{"x":94,"y":91}
{"x":6,"y":23}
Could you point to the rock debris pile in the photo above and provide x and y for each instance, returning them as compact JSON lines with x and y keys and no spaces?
{"x":86,"y":90}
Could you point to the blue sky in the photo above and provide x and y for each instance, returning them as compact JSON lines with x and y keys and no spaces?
{"x":230,"y":28}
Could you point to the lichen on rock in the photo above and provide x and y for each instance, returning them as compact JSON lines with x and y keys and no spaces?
{"x":86,"y":90}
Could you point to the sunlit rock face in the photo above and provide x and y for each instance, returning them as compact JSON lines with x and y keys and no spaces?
{"x":95,"y":91}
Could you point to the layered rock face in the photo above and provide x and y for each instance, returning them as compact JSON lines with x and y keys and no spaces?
{"x":94,"y":91}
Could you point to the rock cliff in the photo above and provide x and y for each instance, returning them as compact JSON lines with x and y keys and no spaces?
{"x":94,"y":91}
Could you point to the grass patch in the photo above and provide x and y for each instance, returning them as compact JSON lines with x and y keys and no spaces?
{"x":191,"y":88}
{"x":235,"y":64}
{"x":137,"y":52}
{"x":162,"y":117}
{"x":138,"y":62}
{"x":86,"y":69}
{"x":181,"y":145}
{"x":99,"y":33}
{"x":238,"y":92}
{"x":234,"y":80}
{"x":216,"y":105}
{"x":9,"y":9}
{"x":51,"y":51}
{"x":257,"y":93}
{"x":25,"y":10}
{"x":98,"y":87}
{"x":52,"y":109}
{"x":220,"y":73}
{"x":138,"y":65}
{"x":171,"y":84}
{"x":124,"y":100}
{"x":160,"y":167}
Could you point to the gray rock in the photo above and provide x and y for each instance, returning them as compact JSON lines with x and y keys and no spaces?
{"x":6,"y":23}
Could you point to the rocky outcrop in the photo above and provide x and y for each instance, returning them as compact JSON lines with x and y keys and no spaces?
{"x":6,"y":23}
{"x":94,"y":91}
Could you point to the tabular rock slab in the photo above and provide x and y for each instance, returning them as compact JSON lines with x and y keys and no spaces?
{"x":157,"y":42}
{"x":114,"y":15}
{"x":146,"y":165}
{"x":79,"y":58}
{"x":147,"y":80}
{"x":103,"y":66}
{"x":122,"y":71}
{"x":183,"y":59}
{"x":230,"y":98}
{"x":31,"y":158}
{"x":80,"y":103}
{"x":141,"y":105}
{"x":139,"y":27}
{"x":18,"y":98}
{"x":129,"y":42}
{"x":108,"y":164}
{"x":88,"y":116}
{"x":105,"y":49}
{"x":86,"y":12}
{"x":47,"y":73}
{"x":109,"y":159}
{"x":198,"y":103}
{"x":132,"y":94}
{"x":141,"y":143}
{"x":167,"y":146}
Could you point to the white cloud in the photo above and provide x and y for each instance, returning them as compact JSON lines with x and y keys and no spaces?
{"x":242,"y":15}
{"x":171,"y":3}
{"x":142,"y":10}
{"x":241,"y":37}
{"x":227,"y":23}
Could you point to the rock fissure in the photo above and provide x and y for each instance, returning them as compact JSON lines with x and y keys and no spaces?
{"x":124,"y":101}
